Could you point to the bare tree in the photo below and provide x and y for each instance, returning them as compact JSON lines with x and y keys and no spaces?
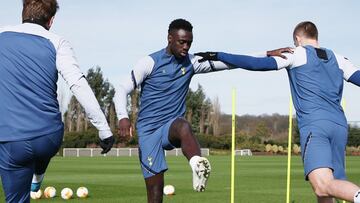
{"x":70,"y":114}
{"x":62,"y":93}
{"x":79,"y":117}
{"x":134,"y":108}
{"x":112,"y":116}
{"x":215,"y":116}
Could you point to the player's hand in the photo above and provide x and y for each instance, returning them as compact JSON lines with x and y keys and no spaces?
{"x":106,"y":144}
{"x":207,"y":56}
{"x":125,"y":127}
{"x":278,"y":52}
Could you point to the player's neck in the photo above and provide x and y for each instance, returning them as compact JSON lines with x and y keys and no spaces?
{"x":310,"y":42}
{"x":168,"y":51}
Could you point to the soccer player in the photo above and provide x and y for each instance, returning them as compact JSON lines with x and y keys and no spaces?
{"x":316,"y":81}
{"x":31,"y":130}
{"x":164,"y":78}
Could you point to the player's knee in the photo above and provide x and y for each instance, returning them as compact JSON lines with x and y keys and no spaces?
{"x":321,"y":187}
{"x":320,"y":192}
{"x":180,"y":130}
{"x":183,"y":127}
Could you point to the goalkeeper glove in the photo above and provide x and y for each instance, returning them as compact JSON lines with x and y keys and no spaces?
{"x":207,"y":56}
{"x":106,"y":144}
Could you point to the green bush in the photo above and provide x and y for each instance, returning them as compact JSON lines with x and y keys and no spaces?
{"x":91,"y":138}
{"x":216,"y":142}
{"x":80,"y":139}
{"x":224,"y":142}
{"x":354,"y":137}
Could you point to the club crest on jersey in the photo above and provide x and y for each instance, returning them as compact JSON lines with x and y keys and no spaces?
{"x":183,"y":70}
{"x":150,"y":160}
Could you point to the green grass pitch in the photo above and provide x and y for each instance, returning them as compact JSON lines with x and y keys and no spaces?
{"x":119,"y":179}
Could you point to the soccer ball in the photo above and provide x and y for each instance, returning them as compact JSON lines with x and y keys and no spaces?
{"x":66,"y":193}
{"x":49,"y":192}
{"x":82,"y":192}
{"x":169,"y":190}
{"x":36,"y":195}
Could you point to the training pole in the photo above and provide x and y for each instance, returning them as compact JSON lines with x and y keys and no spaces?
{"x":233,"y":146}
{"x":289,"y":153}
{"x":343,"y":104}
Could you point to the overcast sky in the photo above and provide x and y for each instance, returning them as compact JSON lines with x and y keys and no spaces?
{"x":114,"y":34}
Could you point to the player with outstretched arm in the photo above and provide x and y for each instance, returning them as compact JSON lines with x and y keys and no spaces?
{"x":164,"y":78}
{"x":316,"y":77}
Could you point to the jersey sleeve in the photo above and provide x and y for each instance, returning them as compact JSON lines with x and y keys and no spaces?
{"x":284,"y":63}
{"x":355,"y":78}
{"x":68,"y":68}
{"x":212,"y":66}
{"x":296,"y":59}
{"x":86,"y":98}
{"x":346,"y":66}
{"x":248,"y":62}
{"x":141,"y":70}
{"x":66,"y":63}
{"x":207,"y":66}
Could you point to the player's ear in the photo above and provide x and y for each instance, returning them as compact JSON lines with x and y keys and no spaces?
{"x":297,"y":40}
{"x":50,"y":22}
{"x":170,"y":38}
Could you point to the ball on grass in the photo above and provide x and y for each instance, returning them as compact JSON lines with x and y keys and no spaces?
{"x":36,"y":195}
{"x":169,"y":190}
{"x":66,"y":193}
{"x":82,"y":192}
{"x":49,"y":192}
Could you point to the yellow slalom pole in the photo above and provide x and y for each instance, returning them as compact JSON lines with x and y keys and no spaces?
{"x":343,"y":104}
{"x":233,"y":146}
{"x":289,"y":153}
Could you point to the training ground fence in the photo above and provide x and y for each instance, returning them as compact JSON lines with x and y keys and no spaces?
{"x":243,"y":152}
{"x":116,"y":152}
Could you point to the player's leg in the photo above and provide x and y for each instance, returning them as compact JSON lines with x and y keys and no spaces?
{"x":154,"y":188}
{"x":319,"y":179}
{"x":340,"y":187}
{"x":324,"y":185}
{"x":334,"y":181}
{"x":16,"y":184}
{"x":180,"y":135}
{"x":16,"y":170}
{"x":324,"y":162}
{"x":44,"y":148}
{"x":153,"y":164}
{"x":316,"y":155}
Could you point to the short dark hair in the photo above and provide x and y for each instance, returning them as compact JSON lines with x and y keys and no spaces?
{"x":40,"y":11}
{"x":180,"y":24}
{"x":307,"y":29}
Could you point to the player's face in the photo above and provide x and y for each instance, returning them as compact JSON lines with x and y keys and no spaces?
{"x":179,"y":43}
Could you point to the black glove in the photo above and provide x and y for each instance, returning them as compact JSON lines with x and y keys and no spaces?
{"x":106,"y":144}
{"x":207,"y":56}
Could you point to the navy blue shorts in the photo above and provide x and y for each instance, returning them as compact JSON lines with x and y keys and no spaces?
{"x":19,"y":160}
{"x":323,"y":145}
{"x":151,"y":150}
